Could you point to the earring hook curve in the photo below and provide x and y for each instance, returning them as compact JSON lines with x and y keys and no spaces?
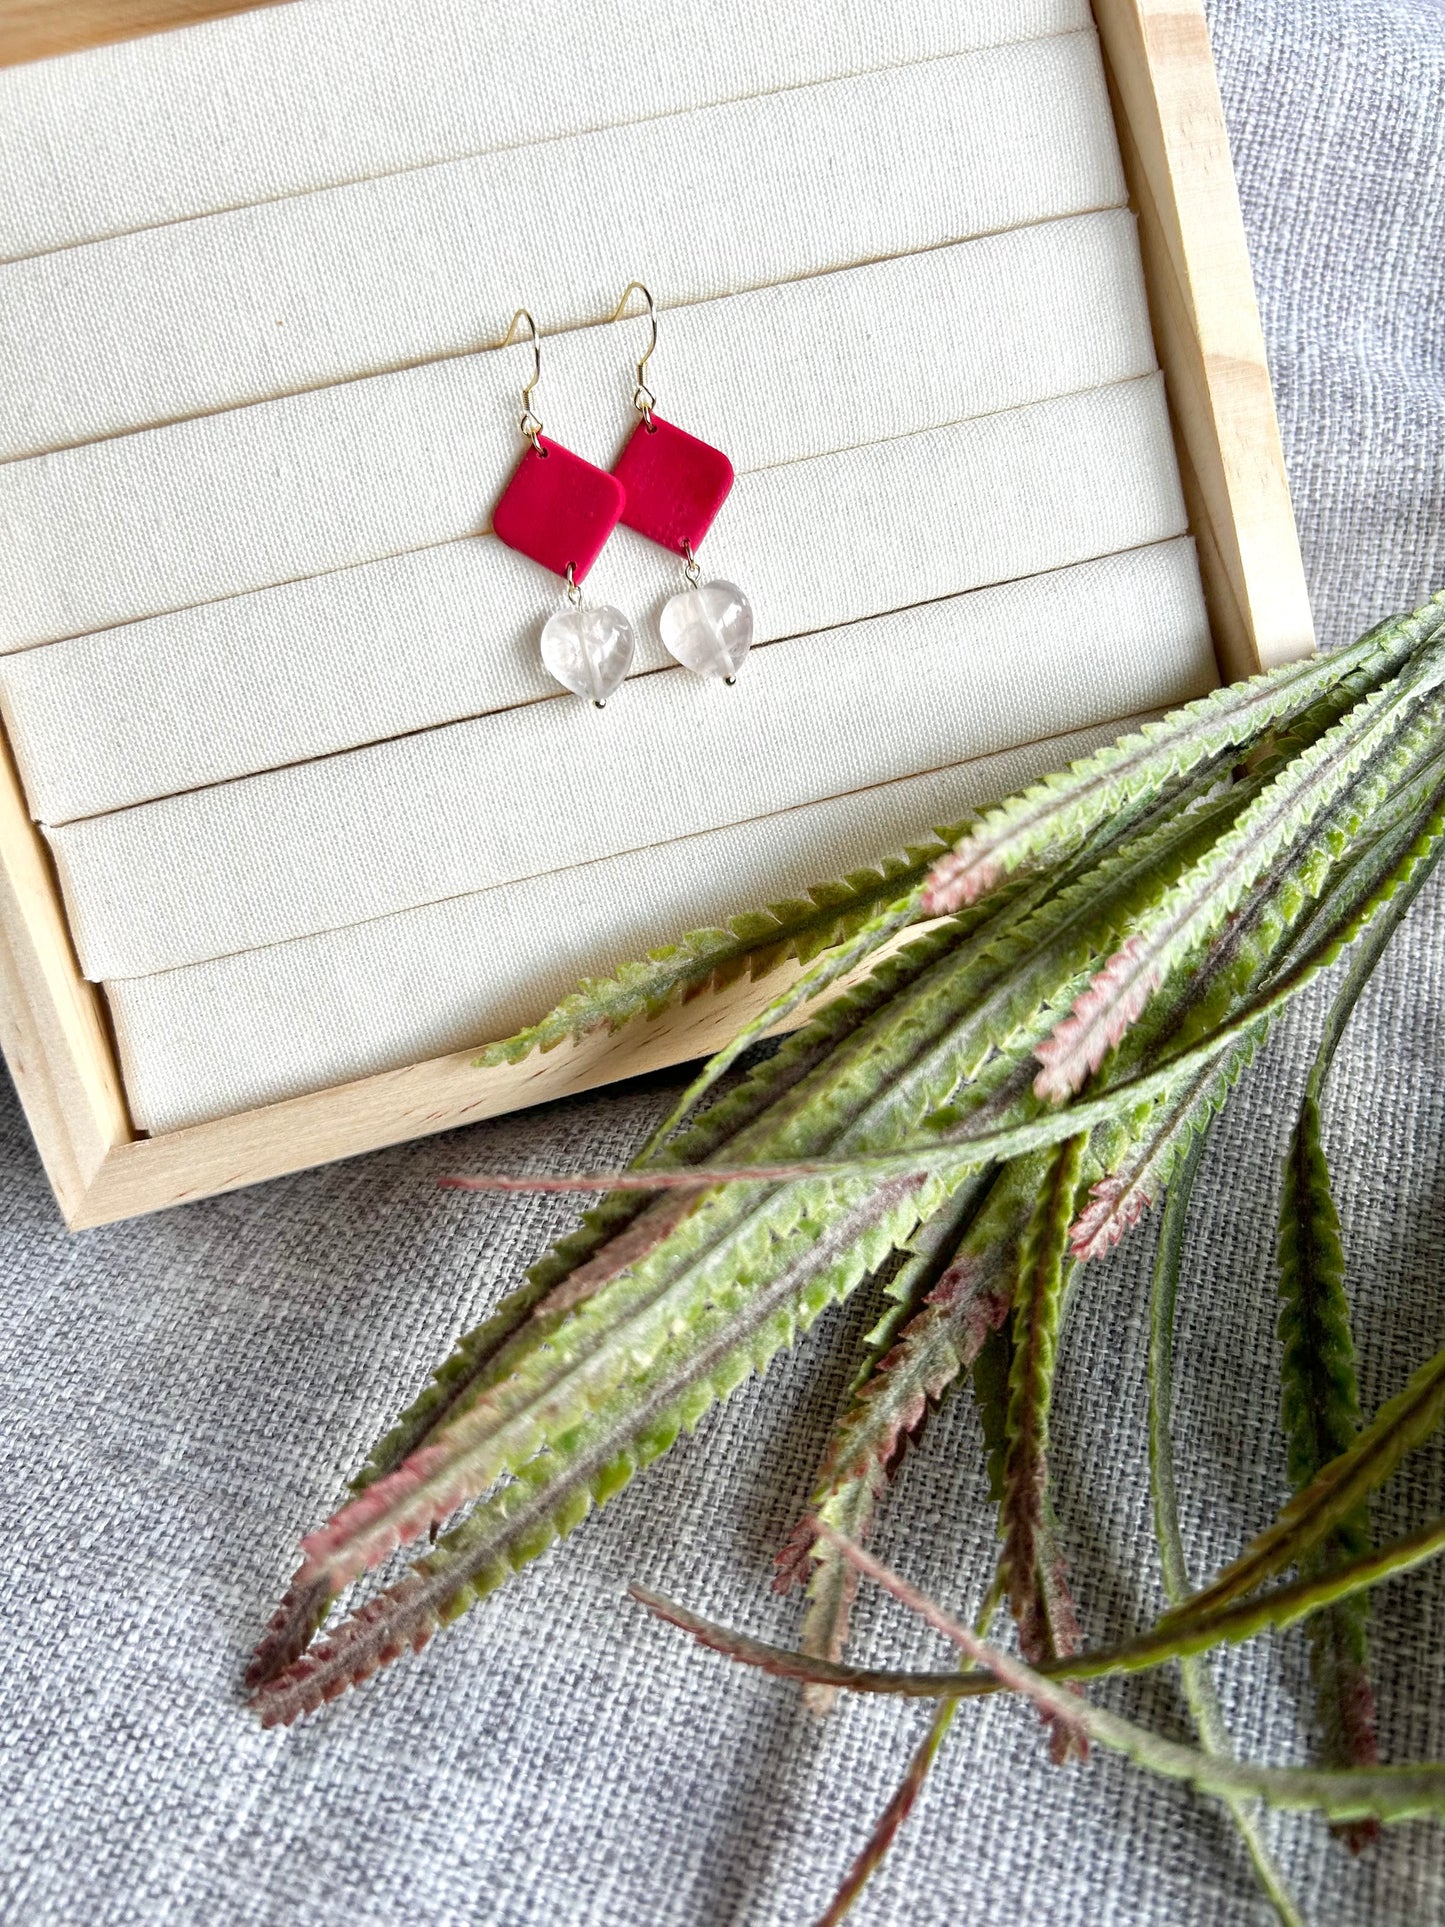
{"x":530,"y":423}
{"x":643,"y":399}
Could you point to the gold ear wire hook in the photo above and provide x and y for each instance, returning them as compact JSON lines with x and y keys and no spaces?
{"x":530,"y":423}
{"x":643,"y":399}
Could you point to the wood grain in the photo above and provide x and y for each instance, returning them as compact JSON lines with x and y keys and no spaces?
{"x":36,"y":29}
{"x":1176,"y":155}
{"x":1206,"y":328}
{"x":52,"y":1023}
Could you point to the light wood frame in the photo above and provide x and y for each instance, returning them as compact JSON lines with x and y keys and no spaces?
{"x":53,"y":1024}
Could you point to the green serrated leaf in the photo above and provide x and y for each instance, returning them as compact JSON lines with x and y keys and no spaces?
{"x":802,"y":1179}
{"x":1400,"y":1426}
{"x":1059,"y":811}
{"x":758,"y":941}
{"x":1364,"y":754}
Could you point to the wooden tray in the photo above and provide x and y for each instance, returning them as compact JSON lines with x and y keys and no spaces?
{"x":53,"y":1025}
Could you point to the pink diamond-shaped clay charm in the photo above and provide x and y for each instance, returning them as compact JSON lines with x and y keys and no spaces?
{"x":558,"y":509}
{"x":675,"y":484}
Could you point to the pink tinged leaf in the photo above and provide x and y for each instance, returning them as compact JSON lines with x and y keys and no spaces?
{"x":794,"y":1559}
{"x":435,"y":1479}
{"x":935,"y":1348}
{"x":958,"y":879}
{"x":627,"y":1247}
{"x":367,"y":1536}
{"x":1063,"y":1638}
{"x":1355,"y":1707}
{"x":1049,"y":1632}
{"x":832,"y":1588}
{"x":351,"y":1654}
{"x":369,"y":1528}
{"x":1025,"y":1474}
{"x":1346,"y":1701}
{"x":502,"y":1533}
{"x":292,"y":1628}
{"x":969,"y":1301}
{"x":863,"y":1453}
{"x":1099,"y":1019}
{"x":869,"y":1447}
{"x":1358,"y":1704}
{"x":1120,"y":1198}
{"x":1061,"y":1617}
{"x":1117,"y":1206}
{"x":1030,"y":1565}
{"x":975,"y":1287}
{"x":1209,"y":728}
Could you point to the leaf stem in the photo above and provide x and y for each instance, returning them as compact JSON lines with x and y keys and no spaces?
{"x":1163,"y":1643}
{"x":1387,"y":1793}
{"x":891,"y":1820}
{"x":1198,"y":1682}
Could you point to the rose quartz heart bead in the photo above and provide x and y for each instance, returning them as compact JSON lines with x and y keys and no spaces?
{"x":708,"y":629}
{"x":589,"y":651}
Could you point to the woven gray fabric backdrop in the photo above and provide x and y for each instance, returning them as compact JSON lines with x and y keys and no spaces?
{"x":183,"y":1395}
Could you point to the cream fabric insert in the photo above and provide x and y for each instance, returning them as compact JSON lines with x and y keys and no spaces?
{"x":267,"y":1024}
{"x":320,"y":92}
{"x":555,"y":784}
{"x":169,"y":518}
{"x":272,"y":684}
{"x":454,"y":630}
{"x":205,"y":314}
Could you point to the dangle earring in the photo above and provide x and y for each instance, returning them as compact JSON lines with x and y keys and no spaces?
{"x":675,"y":486}
{"x":560,"y":510}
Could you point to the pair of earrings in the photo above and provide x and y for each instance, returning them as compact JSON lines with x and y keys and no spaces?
{"x":560,"y":510}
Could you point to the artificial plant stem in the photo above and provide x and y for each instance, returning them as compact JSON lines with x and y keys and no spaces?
{"x":819,"y":976}
{"x":906,"y":1059}
{"x":1049,"y":818}
{"x":1197,"y":1679}
{"x":1390,"y":1794}
{"x":1055,"y":813}
{"x":1414,"y":845}
{"x":1041,"y":1280}
{"x":1359,"y":755}
{"x":899,"y":1090}
{"x":1131,"y":823}
{"x":1283,"y":1606}
{"x":891,"y":1820}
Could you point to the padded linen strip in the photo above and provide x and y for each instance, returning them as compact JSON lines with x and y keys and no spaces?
{"x":353,"y":657}
{"x":311,"y":95}
{"x":222,"y":1036}
{"x":554,"y":784}
{"x":171,"y":517}
{"x":235,"y":307}
{"x":365,"y":654}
